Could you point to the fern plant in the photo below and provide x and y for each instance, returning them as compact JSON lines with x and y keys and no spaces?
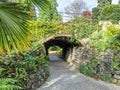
{"x":8,"y":84}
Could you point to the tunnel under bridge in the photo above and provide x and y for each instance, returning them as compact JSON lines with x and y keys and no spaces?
{"x":65,"y":42}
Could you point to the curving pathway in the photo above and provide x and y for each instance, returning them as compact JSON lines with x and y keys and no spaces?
{"x":65,"y":78}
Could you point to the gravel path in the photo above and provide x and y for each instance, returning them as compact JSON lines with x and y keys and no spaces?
{"x":63,"y":77}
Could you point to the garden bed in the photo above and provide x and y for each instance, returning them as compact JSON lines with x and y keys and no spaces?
{"x":30,"y":70}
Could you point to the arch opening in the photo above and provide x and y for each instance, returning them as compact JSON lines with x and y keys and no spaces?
{"x":55,"y":53}
{"x":63,"y":42}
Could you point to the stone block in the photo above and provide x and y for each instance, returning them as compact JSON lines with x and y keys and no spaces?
{"x":117,"y":77}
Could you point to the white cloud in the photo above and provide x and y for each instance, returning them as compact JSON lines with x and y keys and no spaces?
{"x":115,"y":1}
{"x":91,"y":3}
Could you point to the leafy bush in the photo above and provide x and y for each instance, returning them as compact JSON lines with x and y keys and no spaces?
{"x":106,"y":77}
{"x":84,"y":69}
{"x":57,"y":49}
{"x":53,"y":48}
{"x":43,"y":30}
{"x":8,"y":84}
{"x":92,"y":64}
{"x":115,"y":65}
{"x":110,"y":12}
{"x":106,"y":42}
{"x":79,"y":21}
{"x":27,"y":69}
{"x":82,"y":28}
{"x":106,"y":39}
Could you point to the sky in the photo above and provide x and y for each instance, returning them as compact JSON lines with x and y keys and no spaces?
{"x":90,"y":4}
{"x":64,"y":3}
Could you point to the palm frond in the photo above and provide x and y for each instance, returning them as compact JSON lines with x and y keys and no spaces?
{"x":14,"y":25}
{"x":13,"y":28}
{"x":43,"y":4}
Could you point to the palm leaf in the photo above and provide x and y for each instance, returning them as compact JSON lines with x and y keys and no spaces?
{"x":13,"y":28}
{"x":14,"y":25}
{"x":43,"y":4}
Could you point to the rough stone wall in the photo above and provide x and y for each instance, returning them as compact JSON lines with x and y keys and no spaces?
{"x":79,"y":55}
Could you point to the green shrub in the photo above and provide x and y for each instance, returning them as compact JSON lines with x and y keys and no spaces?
{"x":8,"y":84}
{"x":106,"y":77}
{"x":107,"y":41}
{"x":92,"y":63}
{"x":47,"y":29}
{"x":89,"y":72}
{"x":54,"y":48}
{"x":26,"y":68}
{"x":57,"y":49}
{"x":115,"y":65}
{"x":83,"y":69}
{"x":81,"y":28}
{"x":103,"y":40}
{"x":79,"y":21}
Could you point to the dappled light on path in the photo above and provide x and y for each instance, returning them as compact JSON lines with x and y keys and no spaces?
{"x":48,"y":84}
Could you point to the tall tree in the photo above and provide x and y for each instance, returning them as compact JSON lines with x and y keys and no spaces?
{"x":97,"y":10}
{"x":75,"y":8}
{"x":110,"y":12}
{"x":14,"y":30}
{"x":51,"y":14}
{"x":119,"y":2}
{"x":104,"y":2}
{"x":96,"y":13}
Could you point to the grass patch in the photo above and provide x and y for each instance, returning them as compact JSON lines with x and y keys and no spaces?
{"x":83,"y":69}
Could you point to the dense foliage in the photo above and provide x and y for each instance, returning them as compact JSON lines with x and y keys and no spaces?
{"x":111,"y":13}
{"x":96,"y":13}
{"x":82,"y":28}
{"x":97,"y":10}
{"x":104,"y":39}
{"x":26,"y":70}
{"x":30,"y":70}
{"x":51,"y":14}
{"x":106,"y":45}
{"x":104,"y":2}
{"x":8,"y":84}
{"x":14,"y":24}
{"x":43,"y":30}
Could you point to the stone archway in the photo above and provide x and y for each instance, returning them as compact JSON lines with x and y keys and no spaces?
{"x":61,"y":41}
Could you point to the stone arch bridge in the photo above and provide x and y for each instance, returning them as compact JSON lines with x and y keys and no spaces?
{"x":63,"y":41}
